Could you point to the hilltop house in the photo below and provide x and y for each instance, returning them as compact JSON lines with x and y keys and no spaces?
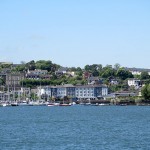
{"x":87,"y":74}
{"x":61,"y":71}
{"x":114,"y":82}
{"x":37,"y":74}
{"x":138,"y":71}
{"x":94,"y":80}
{"x":134,"y":82}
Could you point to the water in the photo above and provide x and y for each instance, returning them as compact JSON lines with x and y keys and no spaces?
{"x":75,"y":128}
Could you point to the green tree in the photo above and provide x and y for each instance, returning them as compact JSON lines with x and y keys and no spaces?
{"x":95,"y":73}
{"x":144,"y":75}
{"x":87,"y":68}
{"x":79,"y":69}
{"x":2,"y":82}
{"x":146,"y":92}
{"x":20,"y":67}
{"x":93,"y":68}
{"x":44,"y":65}
{"x":108,"y":72}
{"x":31,"y":65}
{"x":124,"y":74}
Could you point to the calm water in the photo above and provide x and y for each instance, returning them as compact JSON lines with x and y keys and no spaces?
{"x":75,"y":128}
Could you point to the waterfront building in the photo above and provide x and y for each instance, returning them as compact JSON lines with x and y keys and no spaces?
{"x":47,"y":91}
{"x":91,"y":91}
{"x":71,"y":91}
{"x":66,"y":90}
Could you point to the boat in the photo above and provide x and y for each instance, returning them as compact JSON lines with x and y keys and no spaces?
{"x":123,"y":105}
{"x":14,"y":104}
{"x":4,"y":105}
{"x":88,"y":103}
{"x":53,"y":104}
{"x":95,"y":104}
{"x":25,"y":103}
{"x":103,"y":104}
{"x":65,"y":104}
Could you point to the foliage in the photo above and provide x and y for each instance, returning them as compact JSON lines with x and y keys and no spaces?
{"x":144,"y":75}
{"x":114,"y":88}
{"x":146,"y":92}
{"x":2,"y":81}
{"x":107,"y":72}
{"x":5,"y":65}
{"x":31,"y":65}
{"x":124,"y":74}
{"x":94,"y":69}
{"x":44,"y":65}
{"x":95,"y":73}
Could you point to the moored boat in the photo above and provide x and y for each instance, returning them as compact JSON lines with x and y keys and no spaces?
{"x":14,"y":104}
{"x":4,"y":105}
{"x":65,"y":104}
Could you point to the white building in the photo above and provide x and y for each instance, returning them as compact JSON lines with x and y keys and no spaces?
{"x":91,"y":91}
{"x":134,"y":82}
{"x":37,"y":72}
{"x":138,"y":71}
{"x":80,"y":92}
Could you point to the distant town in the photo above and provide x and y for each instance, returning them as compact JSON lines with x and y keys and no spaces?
{"x":45,"y":81}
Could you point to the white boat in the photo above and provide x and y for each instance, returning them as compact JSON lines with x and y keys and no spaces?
{"x":53,"y":104}
{"x":25,"y":103}
{"x":87,"y":104}
{"x":5,"y":105}
{"x":73,"y":103}
{"x":102,"y":104}
{"x":95,"y":104}
{"x":65,"y":104}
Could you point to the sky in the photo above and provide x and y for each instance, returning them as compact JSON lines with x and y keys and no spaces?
{"x":74,"y":33}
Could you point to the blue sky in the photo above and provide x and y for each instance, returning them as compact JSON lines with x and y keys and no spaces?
{"x":76,"y":32}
